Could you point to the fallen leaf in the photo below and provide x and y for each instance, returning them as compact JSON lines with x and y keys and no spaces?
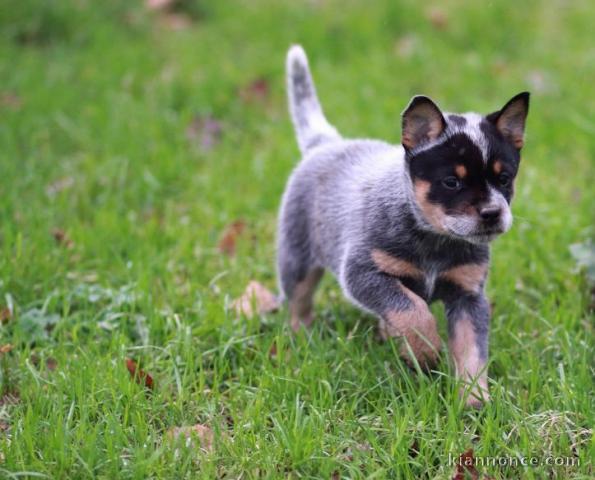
{"x":4,"y":349}
{"x":273,"y":350}
{"x":256,"y":91}
{"x":465,"y":467}
{"x":10,"y":100}
{"x":175,"y":21}
{"x":159,"y":4}
{"x":59,"y":185}
{"x":414,"y":448}
{"x":199,"y":432}
{"x":10,"y":398}
{"x":205,"y":131}
{"x":62,"y":238}
{"x":140,"y":376}
{"x":256,"y":295}
{"x":5,"y":315}
{"x":405,"y":46}
{"x":437,"y":17}
{"x":335,"y":475}
{"x":227,"y":242}
{"x":51,"y":364}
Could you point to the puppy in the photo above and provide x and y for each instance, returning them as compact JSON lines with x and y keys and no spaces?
{"x":401,"y":226}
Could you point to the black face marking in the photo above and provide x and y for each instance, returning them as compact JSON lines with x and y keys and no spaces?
{"x":502,"y":151}
{"x":457,"y":120}
{"x":440,"y":162}
{"x":445,"y":159}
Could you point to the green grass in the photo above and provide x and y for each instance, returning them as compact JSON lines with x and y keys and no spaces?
{"x":97,"y":98}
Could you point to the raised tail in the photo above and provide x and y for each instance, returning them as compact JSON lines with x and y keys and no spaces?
{"x":310,"y":124}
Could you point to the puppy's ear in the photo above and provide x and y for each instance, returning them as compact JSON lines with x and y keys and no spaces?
{"x":510,"y":121}
{"x":422,"y":121}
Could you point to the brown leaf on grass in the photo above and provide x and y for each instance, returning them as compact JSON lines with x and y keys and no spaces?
{"x":205,"y":131}
{"x":62,"y":238}
{"x":11,"y":397}
{"x":437,"y":17}
{"x":465,"y":467}
{"x":227,"y":242}
{"x":158,"y":5}
{"x":175,"y":21}
{"x":51,"y":363}
{"x":140,"y":376}
{"x":58,"y":186}
{"x":5,"y":315}
{"x":414,"y":448}
{"x":4,"y":349}
{"x":405,"y":46}
{"x":273,"y":350}
{"x":256,"y":91}
{"x":10,"y":100}
{"x":256,"y":299}
{"x":199,"y":432}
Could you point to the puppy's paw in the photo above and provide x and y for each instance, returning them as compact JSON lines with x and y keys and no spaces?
{"x":297,"y":322}
{"x":476,"y":396}
{"x":417,"y":327}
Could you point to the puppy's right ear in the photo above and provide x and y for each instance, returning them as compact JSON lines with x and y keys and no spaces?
{"x":422,"y":121}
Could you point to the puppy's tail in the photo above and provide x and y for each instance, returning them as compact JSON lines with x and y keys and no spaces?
{"x":308,"y":119}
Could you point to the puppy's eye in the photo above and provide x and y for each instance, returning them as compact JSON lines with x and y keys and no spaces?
{"x":452,"y":183}
{"x":504,"y":179}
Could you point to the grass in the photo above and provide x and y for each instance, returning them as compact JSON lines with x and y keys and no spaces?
{"x":96,"y":152}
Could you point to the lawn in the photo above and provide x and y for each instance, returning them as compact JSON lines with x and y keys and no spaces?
{"x":132,"y":138}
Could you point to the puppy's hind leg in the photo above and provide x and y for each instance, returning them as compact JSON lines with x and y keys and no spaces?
{"x":298,"y":282}
{"x":300,"y":301}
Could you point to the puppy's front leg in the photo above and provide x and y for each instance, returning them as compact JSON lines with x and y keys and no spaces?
{"x":402,"y":313}
{"x":468,"y":325}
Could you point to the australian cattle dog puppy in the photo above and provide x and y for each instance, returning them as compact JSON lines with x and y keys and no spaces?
{"x":400,"y":226}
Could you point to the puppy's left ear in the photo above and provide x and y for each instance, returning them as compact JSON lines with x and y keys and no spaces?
{"x":422,"y":121}
{"x":510,"y":121}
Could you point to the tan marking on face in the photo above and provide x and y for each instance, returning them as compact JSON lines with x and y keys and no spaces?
{"x":497,"y":167}
{"x":461,"y":171}
{"x":434,"y":214}
{"x":417,"y":326}
{"x":469,"y":366}
{"x":300,"y":303}
{"x":395,"y":266}
{"x":469,"y":277}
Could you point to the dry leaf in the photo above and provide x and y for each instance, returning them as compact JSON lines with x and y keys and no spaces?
{"x":5,"y":315}
{"x":273,"y":350}
{"x":51,"y":364}
{"x":10,"y":398}
{"x":414,"y":448}
{"x":10,"y":100}
{"x":256,"y":296}
{"x":6,"y":348}
{"x":466,"y":467}
{"x":405,"y":46}
{"x":59,"y":185}
{"x":205,"y":131}
{"x":175,"y":21}
{"x":227,"y":242}
{"x":256,"y":91}
{"x":62,"y":238}
{"x":198,"y":432}
{"x":437,"y":17}
{"x":140,"y":376}
{"x":158,"y":5}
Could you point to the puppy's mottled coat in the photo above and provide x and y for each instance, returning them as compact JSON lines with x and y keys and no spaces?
{"x":401,"y":226}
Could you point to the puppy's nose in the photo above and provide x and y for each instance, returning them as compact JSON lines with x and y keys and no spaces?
{"x":490,"y":214}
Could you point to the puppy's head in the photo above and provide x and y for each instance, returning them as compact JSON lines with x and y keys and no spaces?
{"x":462,"y":167}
